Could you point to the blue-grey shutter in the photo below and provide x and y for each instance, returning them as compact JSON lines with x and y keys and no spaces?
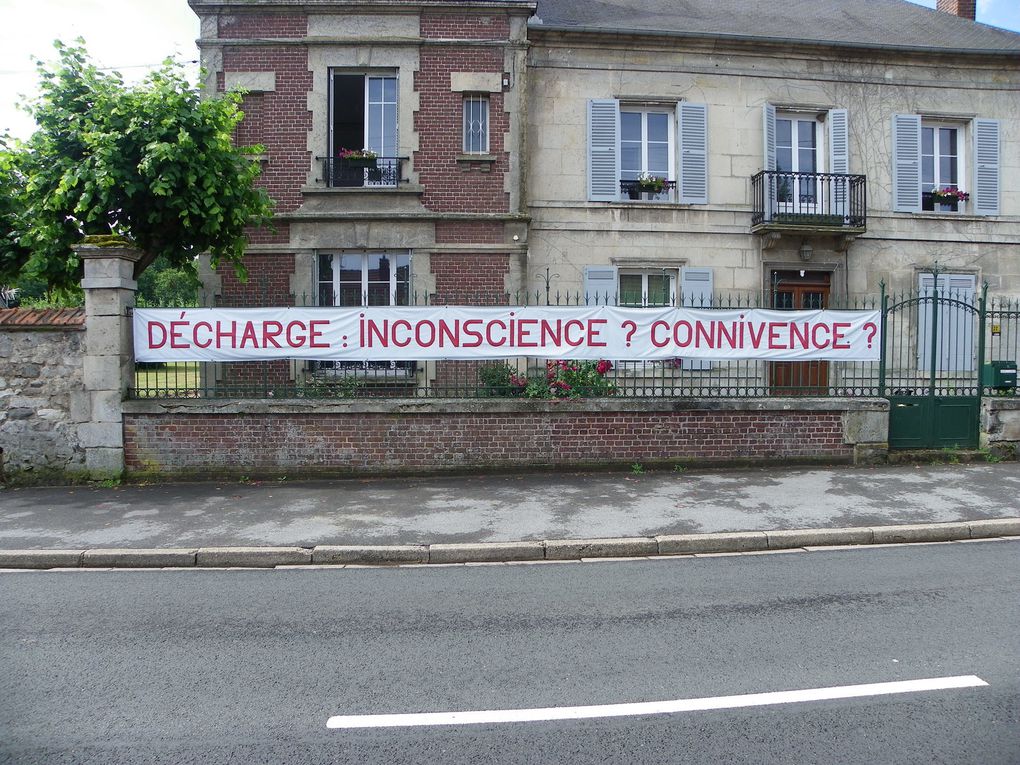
{"x":839,"y":160}
{"x":986,"y":167}
{"x":695,"y":292}
{"x":906,"y":168}
{"x":769,"y":132}
{"x":692,"y":120}
{"x":600,"y":285}
{"x":771,"y":184}
{"x":603,"y":150}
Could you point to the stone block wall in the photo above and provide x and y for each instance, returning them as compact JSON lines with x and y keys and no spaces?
{"x":41,"y":395}
{"x":1000,"y":425}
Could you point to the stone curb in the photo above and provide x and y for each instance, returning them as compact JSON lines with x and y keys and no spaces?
{"x":257,"y":557}
{"x":500,"y":552}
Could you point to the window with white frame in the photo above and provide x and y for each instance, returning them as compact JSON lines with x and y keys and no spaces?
{"x":798,"y":152}
{"x":354,"y":279}
{"x":363,"y":116}
{"x":941,"y":165}
{"x":650,"y":287}
{"x":646,"y":146}
{"x":364,"y":279}
{"x":666,"y":146}
{"x":476,"y":124}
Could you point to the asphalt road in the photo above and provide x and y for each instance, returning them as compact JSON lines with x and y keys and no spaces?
{"x":247,"y":666}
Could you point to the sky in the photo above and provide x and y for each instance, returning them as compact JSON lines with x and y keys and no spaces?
{"x":134,"y":36}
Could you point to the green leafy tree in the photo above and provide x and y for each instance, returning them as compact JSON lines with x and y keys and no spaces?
{"x":154,"y":163}
{"x":164,"y":286}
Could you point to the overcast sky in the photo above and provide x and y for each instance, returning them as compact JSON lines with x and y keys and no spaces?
{"x":133,"y":36}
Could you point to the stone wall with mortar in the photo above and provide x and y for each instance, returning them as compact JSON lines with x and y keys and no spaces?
{"x":1000,"y":426}
{"x":40,"y":404}
{"x":194,"y":439}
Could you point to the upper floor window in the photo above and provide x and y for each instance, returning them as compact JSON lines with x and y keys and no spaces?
{"x":944,"y":166}
{"x":941,"y":166}
{"x":807,"y":166}
{"x":476,"y":124}
{"x":646,"y":148}
{"x":647,"y":152}
{"x":363,"y":119}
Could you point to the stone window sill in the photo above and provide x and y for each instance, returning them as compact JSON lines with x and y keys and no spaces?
{"x":483,"y":162}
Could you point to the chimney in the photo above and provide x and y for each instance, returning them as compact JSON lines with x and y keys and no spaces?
{"x":965,"y":9}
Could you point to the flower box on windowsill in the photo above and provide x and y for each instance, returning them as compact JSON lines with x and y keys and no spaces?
{"x":363,"y":162}
{"x":933,"y":201}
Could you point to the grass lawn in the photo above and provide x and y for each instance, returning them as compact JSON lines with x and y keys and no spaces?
{"x":179,"y":376}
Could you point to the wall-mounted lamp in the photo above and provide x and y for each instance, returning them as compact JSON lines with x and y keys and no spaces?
{"x":805,"y":251}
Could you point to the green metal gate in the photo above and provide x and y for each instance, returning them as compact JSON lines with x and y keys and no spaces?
{"x":933,"y":348}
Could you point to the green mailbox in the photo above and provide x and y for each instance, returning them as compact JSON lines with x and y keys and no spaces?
{"x":999,"y":374}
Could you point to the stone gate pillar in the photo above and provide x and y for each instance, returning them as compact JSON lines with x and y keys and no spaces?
{"x":110,"y":288}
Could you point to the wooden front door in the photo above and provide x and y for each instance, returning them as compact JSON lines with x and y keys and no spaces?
{"x":800,"y":291}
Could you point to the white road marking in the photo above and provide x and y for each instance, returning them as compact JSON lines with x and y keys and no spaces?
{"x":653,"y":707}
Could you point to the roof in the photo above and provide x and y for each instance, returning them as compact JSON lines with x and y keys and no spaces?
{"x":894,"y":24}
{"x":42,"y":318}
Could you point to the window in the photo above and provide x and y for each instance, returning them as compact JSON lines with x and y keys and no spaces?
{"x":632,"y":141}
{"x":363,"y":115}
{"x":646,"y":147}
{"x":640,"y":289}
{"x":651,"y":288}
{"x":357,"y":279}
{"x":807,"y":164}
{"x":940,"y":164}
{"x":476,"y":124}
{"x":931,"y":155}
{"x":798,"y":151}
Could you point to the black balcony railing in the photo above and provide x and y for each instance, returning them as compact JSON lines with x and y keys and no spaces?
{"x":634,"y":190}
{"x":811,"y":200}
{"x":381,"y":172}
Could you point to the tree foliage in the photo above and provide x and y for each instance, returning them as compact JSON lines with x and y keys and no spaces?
{"x":154,"y":163}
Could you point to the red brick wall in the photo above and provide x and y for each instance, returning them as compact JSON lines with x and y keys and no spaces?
{"x":279,"y":120}
{"x":470,"y":279}
{"x":966,"y":9}
{"x":451,"y":186}
{"x":268,"y":285}
{"x":337,"y":444}
{"x":268,"y":282}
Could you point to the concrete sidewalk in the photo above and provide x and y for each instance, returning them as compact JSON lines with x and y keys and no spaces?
{"x":480,"y":513}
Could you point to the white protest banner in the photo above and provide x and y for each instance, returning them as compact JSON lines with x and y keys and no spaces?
{"x":469,"y":332}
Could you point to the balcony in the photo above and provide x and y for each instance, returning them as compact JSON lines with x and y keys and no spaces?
{"x":381,"y":172}
{"x":809,"y":203}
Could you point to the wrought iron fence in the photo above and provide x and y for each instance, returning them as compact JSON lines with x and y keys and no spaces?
{"x":517,"y":378}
